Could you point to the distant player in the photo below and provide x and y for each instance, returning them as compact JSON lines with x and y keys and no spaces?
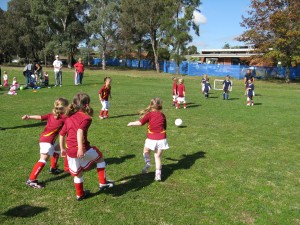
{"x":203,"y":81}
{"x":248,"y":76}
{"x":181,"y":93}
{"x":226,"y":87}
{"x":250,"y":91}
{"x":48,"y":147}
{"x":174,"y":90}
{"x":80,"y":154}
{"x":104,"y":93}
{"x":206,"y":88}
{"x":156,"y":134}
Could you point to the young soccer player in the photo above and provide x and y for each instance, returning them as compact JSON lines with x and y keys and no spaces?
{"x":203,"y":81}
{"x":80,"y":154}
{"x":181,"y":93}
{"x":226,"y":87}
{"x":104,"y":93}
{"x":46,"y":77}
{"x":206,"y":88}
{"x":250,"y":91}
{"x":156,"y":134}
{"x":174,"y":90}
{"x":55,"y":121}
{"x":5,"y":79}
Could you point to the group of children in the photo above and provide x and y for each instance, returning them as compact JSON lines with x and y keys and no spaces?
{"x":178,"y":89}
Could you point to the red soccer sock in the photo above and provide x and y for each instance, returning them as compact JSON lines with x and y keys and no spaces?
{"x":101,"y":113}
{"x":36,"y":170}
{"x":54,"y":160}
{"x":177,"y":105}
{"x":101,"y":175}
{"x":79,"y":189}
{"x":184,"y":105}
{"x":66,"y":164}
{"x":105,"y":113}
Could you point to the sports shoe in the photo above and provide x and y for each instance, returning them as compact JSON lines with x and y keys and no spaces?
{"x":157,"y":177}
{"x":108,"y":184}
{"x":252,"y":104}
{"x":33,"y":184}
{"x":146,"y":167}
{"x":55,"y":171}
{"x":85,"y":195}
{"x":101,"y":117}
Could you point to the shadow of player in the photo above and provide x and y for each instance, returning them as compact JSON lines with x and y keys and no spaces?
{"x":140,"y":181}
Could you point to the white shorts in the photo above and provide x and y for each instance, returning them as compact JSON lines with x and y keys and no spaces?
{"x":156,"y":144}
{"x":105,"y":105}
{"x":47,"y":148}
{"x":175,"y":97}
{"x":77,"y":165}
{"x":181,"y":99}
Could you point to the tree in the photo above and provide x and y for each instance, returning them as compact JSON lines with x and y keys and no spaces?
{"x":274,"y":24}
{"x":63,"y":21}
{"x":102,"y":25}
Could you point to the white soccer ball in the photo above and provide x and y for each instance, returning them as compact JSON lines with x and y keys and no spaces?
{"x":178,"y":122}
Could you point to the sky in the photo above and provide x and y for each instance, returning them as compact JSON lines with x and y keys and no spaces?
{"x":222,"y":24}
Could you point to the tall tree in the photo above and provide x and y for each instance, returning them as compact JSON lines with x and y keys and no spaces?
{"x":274,"y":25}
{"x":102,"y":25}
{"x":63,"y":20}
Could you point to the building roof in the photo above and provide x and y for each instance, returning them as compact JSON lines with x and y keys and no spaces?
{"x":226,"y":53}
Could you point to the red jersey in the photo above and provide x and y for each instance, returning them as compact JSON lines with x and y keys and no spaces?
{"x":52,"y":128}
{"x":104,"y":92}
{"x":181,"y":90}
{"x":79,"y":67}
{"x":157,"y":125}
{"x":78,"y":120}
{"x":174,"y":89}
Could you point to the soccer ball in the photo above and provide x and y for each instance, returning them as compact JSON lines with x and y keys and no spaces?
{"x":178,"y":122}
{"x":21,"y":88}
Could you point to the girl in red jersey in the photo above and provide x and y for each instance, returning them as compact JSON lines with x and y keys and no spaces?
{"x":156,"y":134}
{"x":174,"y":90}
{"x":181,"y":93}
{"x":55,"y":121}
{"x":81,"y":156}
{"x":104,"y":93}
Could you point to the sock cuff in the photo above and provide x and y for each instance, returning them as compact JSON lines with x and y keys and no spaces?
{"x":101,"y":165}
{"x":78,"y":180}
{"x":42,"y":161}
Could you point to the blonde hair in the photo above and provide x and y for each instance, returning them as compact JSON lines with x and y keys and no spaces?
{"x":155,"y":105}
{"x":81,"y":101}
{"x":60,"y":105}
{"x":180,"y":80}
{"x":174,"y":78}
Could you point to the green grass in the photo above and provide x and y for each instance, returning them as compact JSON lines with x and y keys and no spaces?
{"x":229,"y":164}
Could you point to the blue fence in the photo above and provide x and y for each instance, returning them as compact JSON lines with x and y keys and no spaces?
{"x":198,"y":69}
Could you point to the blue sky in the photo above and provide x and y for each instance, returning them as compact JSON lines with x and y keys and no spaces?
{"x":222,"y":25}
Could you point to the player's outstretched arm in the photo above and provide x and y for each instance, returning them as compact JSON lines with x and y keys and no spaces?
{"x":135,"y":123}
{"x":31,"y":117}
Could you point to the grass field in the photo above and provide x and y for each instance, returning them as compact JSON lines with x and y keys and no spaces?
{"x":228,"y":164}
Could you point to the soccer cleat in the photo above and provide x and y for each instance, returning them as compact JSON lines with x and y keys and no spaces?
{"x":85,"y":195}
{"x":33,"y":184}
{"x":108,"y":184}
{"x":55,"y":171}
{"x":157,"y":177}
{"x":101,"y":118}
{"x":252,"y":104}
{"x":146,"y":167}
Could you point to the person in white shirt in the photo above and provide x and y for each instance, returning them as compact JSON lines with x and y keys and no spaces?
{"x":57,"y":64}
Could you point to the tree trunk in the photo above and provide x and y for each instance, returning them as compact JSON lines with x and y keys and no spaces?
{"x":154,"y":48}
{"x":103,"y":57}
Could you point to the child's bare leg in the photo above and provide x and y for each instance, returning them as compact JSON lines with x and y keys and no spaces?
{"x":157,"y":156}
{"x":146,"y":155}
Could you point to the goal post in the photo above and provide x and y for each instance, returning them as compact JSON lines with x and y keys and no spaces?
{"x":218,"y":85}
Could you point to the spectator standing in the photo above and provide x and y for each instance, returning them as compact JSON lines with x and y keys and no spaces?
{"x":38,"y":71}
{"x":57,"y":64}
{"x":27,"y":72}
{"x":79,"y":70}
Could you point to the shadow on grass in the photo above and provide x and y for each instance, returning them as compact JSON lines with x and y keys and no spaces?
{"x":24,"y":211}
{"x":55,"y":178}
{"x":118,"y":160}
{"x":25,"y":126}
{"x":257,"y":103}
{"x":119,"y":116}
{"x":192,"y":105}
{"x":140,"y":181}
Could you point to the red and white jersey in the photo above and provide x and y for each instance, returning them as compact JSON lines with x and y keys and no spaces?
{"x":157,"y":125}
{"x":78,"y":120}
{"x":181,"y":90}
{"x":174,"y":89}
{"x":79,"y":67}
{"x":52,"y":127}
{"x":104,"y":92}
